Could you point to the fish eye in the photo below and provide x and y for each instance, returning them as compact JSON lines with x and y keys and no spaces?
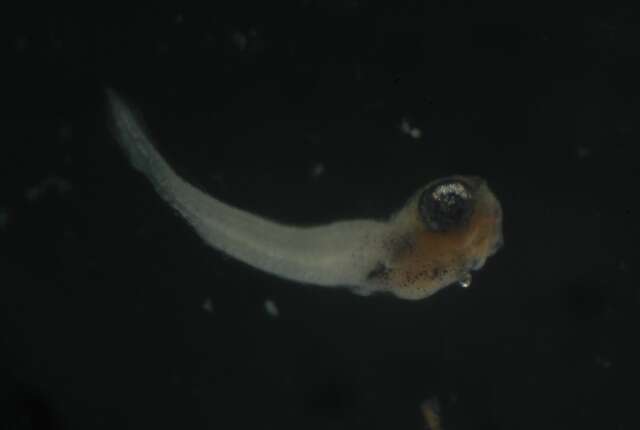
{"x":446,"y":204}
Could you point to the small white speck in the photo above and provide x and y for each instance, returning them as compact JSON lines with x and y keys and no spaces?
{"x":603,"y":362}
{"x":207,"y":305}
{"x":622,"y":266}
{"x":583,"y":152}
{"x":21,"y":44}
{"x":317,"y":170}
{"x":60,"y":185}
{"x":240,"y":40}
{"x":407,"y":128}
{"x":465,"y":282}
{"x":270,"y":308}
{"x":32,"y":193}
{"x":404,"y":126}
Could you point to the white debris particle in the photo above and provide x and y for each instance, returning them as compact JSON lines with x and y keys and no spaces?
{"x":4,"y":218}
{"x":603,"y":362}
{"x":32,"y":193}
{"x":65,"y":133}
{"x":240,"y":40}
{"x":317,"y":170}
{"x":404,"y":126}
{"x":622,"y":266}
{"x":412,"y":131}
{"x":21,"y":44}
{"x":270,"y":307}
{"x":583,"y":152}
{"x":207,"y":305}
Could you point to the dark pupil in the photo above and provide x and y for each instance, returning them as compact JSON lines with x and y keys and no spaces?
{"x":446,"y":206}
{"x":451,"y":206}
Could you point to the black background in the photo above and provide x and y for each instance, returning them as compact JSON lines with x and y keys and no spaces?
{"x":102,"y":323}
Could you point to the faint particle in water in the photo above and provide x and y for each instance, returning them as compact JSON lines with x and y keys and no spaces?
{"x":239,"y":40}
{"x":351,"y":4}
{"x":218,"y":179}
{"x":21,"y":44}
{"x":271,"y":308}
{"x":177,"y":379}
{"x":56,"y":43}
{"x":179,"y":18}
{"x":65,"y":133}
{"x":209,"y":38}
{"x":317,"y":170}
{"x":622,"y":266}
{"x":56,"y":183}
{"x":624,"y":129}
{"x":4,"y":218}
{"x":162,"y":48}
{"x":207,"y":305}
{"x":357,"y":70}
{"x":603,"y":362}
{"x":583,"y":152}
{"x":32,"y":193}
{"x":410,"y":130}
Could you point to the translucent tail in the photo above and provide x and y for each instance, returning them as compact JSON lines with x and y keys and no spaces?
{"x":135,"y":143}
{"x":323,"y":255}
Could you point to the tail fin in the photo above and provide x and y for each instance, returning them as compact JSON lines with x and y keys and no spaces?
{"x":134,"y":141}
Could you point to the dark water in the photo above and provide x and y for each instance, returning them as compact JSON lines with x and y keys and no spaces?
{"x":114,"y":315}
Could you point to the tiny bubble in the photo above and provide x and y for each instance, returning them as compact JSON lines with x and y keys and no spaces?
{"x":270,"y":308}
{"x":465,"y":281}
